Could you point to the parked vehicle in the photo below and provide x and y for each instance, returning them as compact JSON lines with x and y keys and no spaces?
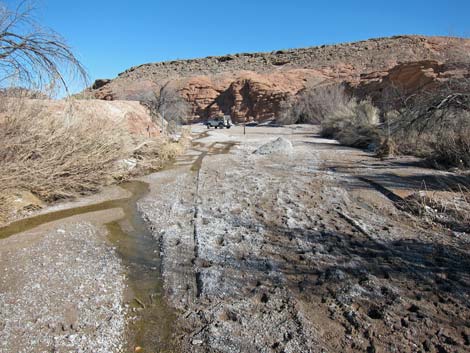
{"x":219,"y":122}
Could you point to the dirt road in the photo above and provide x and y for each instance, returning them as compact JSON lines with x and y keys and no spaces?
{"x":303,"y":249}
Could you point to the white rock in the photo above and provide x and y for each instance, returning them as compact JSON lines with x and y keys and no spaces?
{"x":127,"y":164}
{"x":280,"y":145}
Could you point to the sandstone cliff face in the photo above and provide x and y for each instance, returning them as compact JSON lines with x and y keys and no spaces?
{"x":252,"y":96}
{"x":252,"y":85}
{"x":406,"y":78}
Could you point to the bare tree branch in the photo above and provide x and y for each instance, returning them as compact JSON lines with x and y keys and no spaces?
{"x":313,"y":104}
{"x":32,"y":55}
{"x":169,"y":104}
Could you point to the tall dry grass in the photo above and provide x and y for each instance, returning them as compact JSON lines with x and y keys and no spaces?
{"x":353,"y":124}
{"x":61,"y":154}
{"x":57,"y":156}
{"x":450,"y":208}
{"x":342,"y":117}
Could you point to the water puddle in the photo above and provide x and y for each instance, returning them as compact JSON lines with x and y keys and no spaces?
{"x":151,"y":323}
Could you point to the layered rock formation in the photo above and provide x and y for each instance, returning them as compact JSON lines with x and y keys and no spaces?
{"x":407,"y":78}
{"x":252,"y":85}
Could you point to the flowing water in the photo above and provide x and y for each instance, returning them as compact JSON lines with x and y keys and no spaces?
{"x":151,"y":322}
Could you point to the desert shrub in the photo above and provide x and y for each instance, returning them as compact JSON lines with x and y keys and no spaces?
{"x":167,"y":104}
{"x":451,"y":147}
{"x":353,"y":124}
{"x":451,"y":208}
{"x":61,"y":154}
{"x":312,"y":105}
{"x":435,"y":124}
{"x":154,"y":155}
{"x":57,"y":155}
{"x":340,"y":116}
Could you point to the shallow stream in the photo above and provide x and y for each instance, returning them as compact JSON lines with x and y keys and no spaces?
{"x":151,"y":322}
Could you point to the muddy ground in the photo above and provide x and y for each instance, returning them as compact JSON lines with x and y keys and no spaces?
{"x":61,"y":289}
{"x":311,"y":250}
{"x":306,"y":251}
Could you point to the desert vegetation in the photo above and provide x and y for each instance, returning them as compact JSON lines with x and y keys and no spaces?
{"x":341,"y":116}
{"x":433,"y":123}
{"x":34,"y":56}
{"x":166,"y":105}
{"x":57,"y":151}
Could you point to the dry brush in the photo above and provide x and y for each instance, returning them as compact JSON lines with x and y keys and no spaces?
{"x":59,"y":154}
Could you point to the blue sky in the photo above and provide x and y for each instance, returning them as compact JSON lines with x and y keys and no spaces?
{"x":111,"y":36}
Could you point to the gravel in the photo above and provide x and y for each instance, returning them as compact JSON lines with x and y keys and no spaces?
{"x":64,"y":295}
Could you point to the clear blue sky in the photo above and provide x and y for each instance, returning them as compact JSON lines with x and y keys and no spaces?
{"x":110,"y":36}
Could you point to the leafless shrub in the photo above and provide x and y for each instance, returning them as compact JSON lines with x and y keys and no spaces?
{"x":433,"y":123}
{"x":57,"y":156}
{"x":451,"y":209}
{"x":353,"y":124}
{"x":435,"y":108}
{"x":313,"y":105}
{"x":168,"y":106}
{"x":60,"y":154}
{"x":31,"y":55}
{"x":341,"y":117}
{"x":154,"y":156}
{"x":20,"y":92}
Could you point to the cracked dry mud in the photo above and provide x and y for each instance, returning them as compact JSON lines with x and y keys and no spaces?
{"x":302,"y":252}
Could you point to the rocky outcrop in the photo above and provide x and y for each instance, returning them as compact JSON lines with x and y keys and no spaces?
{"x":252,"y":96}
{"x":135,"y":117}
{"x":202,"y":92}
{"x":407,"y":78}
{"x":100,"y":83}
{"x":252,"y":85}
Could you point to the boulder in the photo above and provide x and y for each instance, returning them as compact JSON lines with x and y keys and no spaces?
{"x":100,"y":83}
{"x":277,"y":146}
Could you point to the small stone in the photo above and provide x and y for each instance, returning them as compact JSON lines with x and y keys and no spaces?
{"x":197,"y":342}
{"x":427,"y":345}
{"x":428,"y":322}
{"x":138,"y":349}
{"x":405,"y":322}
{"x":371,"y":348}
{"x":466,"y":338}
